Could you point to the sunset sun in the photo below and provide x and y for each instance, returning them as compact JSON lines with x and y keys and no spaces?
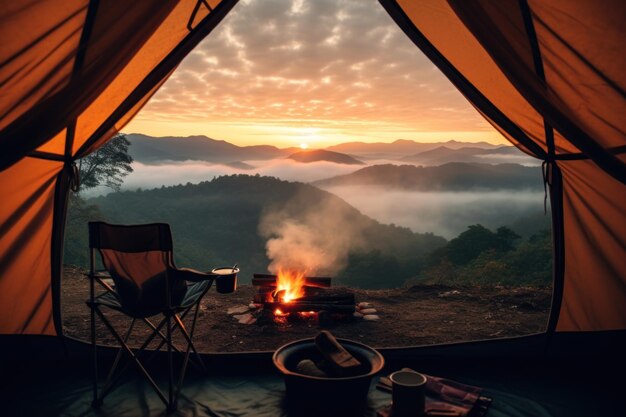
{"x":304,"y":146}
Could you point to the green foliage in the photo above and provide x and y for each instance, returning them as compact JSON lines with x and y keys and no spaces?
{"x":108,"y":165}
{"x":479,"y":256}
{"x":76,"y":235}
{"x":473,"y":242}
{"x":216,"y":222}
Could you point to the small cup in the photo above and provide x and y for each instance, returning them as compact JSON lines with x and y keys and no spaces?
{"x":226,"y":281}
{"x":408,"y":395}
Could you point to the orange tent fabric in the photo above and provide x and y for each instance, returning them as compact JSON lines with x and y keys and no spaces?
{"x":548,"y":75}
{"x":71,"y":74}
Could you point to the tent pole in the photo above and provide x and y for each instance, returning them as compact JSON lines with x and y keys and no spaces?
{"x":558,"y":248}
{"x":161,"y":71}
{"x":61,"y":195}
{"x":458,"y":79}
{"x":554,"y":179}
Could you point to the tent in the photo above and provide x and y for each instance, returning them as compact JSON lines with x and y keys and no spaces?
{"x":548,"y":75}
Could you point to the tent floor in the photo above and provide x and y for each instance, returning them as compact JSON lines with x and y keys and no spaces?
{"x":519,"y":389}
{"x":574,"y":375}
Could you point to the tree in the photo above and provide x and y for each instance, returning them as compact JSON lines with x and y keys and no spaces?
{"x":108,"y":165}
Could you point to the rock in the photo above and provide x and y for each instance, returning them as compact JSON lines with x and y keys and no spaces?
{"x":245,"y":318}
{"x":449,"y":293}
{"x":238,"y":310}
{"x":254,"y":306}
{"x":371,"y":317}
{"x":364,"y":305}
{"x":367,"y":311}
{"x":308,"y":367}
{"x":357,"y":315}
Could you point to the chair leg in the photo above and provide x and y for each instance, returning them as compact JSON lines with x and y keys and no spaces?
{"x":157,"y":332}
{"x":95,"y":402}
{"x":110,"y":380}
{"x":133,"y":357}
{"x":164,"y":339}
{"x":193,"y":329}
{"x":183,"y":368}
{"x":170,"y":377}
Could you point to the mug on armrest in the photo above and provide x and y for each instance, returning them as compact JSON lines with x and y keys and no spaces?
{"x":226,"y":279}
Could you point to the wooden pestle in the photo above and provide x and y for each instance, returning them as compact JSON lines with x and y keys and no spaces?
{"x":340,"y":361}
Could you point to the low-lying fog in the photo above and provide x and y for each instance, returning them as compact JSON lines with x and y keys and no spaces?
{"x":443,"y":213}
{"x":152,"y":176}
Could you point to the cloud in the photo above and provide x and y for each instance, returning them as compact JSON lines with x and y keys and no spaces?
{"x":307,"y":61}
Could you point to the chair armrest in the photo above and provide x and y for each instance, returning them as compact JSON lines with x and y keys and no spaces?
{"x":192,"y":275}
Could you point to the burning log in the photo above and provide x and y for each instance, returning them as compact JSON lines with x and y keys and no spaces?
{"x":341,"y":298}
{"x":297,"y":307}
{"x":268,"y":280}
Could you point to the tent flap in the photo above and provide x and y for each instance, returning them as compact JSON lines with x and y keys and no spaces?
{"x":531,"y":67}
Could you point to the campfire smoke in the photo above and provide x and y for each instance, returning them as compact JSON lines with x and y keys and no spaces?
{"x":314,"y":237}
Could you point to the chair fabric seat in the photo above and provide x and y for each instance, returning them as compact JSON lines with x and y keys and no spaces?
{"x":192,"y":294}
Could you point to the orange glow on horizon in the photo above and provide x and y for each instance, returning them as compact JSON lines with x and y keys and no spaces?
{"x":285,"y":134}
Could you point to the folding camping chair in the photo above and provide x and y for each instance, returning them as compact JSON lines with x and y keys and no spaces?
{"x":141,"y":281}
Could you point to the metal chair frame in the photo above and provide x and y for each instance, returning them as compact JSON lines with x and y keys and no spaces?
{"x":172,"y":320}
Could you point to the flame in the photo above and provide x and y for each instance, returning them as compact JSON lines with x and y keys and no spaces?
{"x":292,"y":283}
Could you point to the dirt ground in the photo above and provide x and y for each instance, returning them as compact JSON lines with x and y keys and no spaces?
{"x":419,"y":315}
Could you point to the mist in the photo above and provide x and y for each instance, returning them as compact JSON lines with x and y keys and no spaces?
{"x":444,"y":213}
{"x":148,"y":176}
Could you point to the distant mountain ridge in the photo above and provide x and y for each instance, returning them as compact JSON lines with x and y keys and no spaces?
{"x":400,"y":148}
{"x":324,"y":155}
{"x":148,"y":149}
{"x":448,"y":177}
{"x":470,"y":154}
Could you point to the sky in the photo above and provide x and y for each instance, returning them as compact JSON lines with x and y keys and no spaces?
{"x":314,"y":73}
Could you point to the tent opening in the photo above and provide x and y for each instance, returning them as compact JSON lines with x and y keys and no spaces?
{"x":335,"y":147}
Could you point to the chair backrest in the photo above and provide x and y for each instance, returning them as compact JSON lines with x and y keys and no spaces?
{"x":138,"y":258}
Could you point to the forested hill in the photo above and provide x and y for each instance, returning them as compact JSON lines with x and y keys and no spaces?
{"x":216,"y":223}
{"x":456,"y":176}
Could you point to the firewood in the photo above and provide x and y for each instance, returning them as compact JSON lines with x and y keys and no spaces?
{"x":268,"y":280}
{"x":339,"y":359}
{"x":295,"y":307}
{"x":340,"y":298}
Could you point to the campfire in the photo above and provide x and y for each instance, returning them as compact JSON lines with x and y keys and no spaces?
{"x":291,"y":294}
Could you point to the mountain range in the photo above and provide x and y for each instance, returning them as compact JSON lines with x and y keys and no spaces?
{"x":148,"y":149}
{"x":454,"y":176}
{"x":151,"y":150}
{"x":400,"y":148}
{"x":324,"y":155}
{"x":444,"y":154}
